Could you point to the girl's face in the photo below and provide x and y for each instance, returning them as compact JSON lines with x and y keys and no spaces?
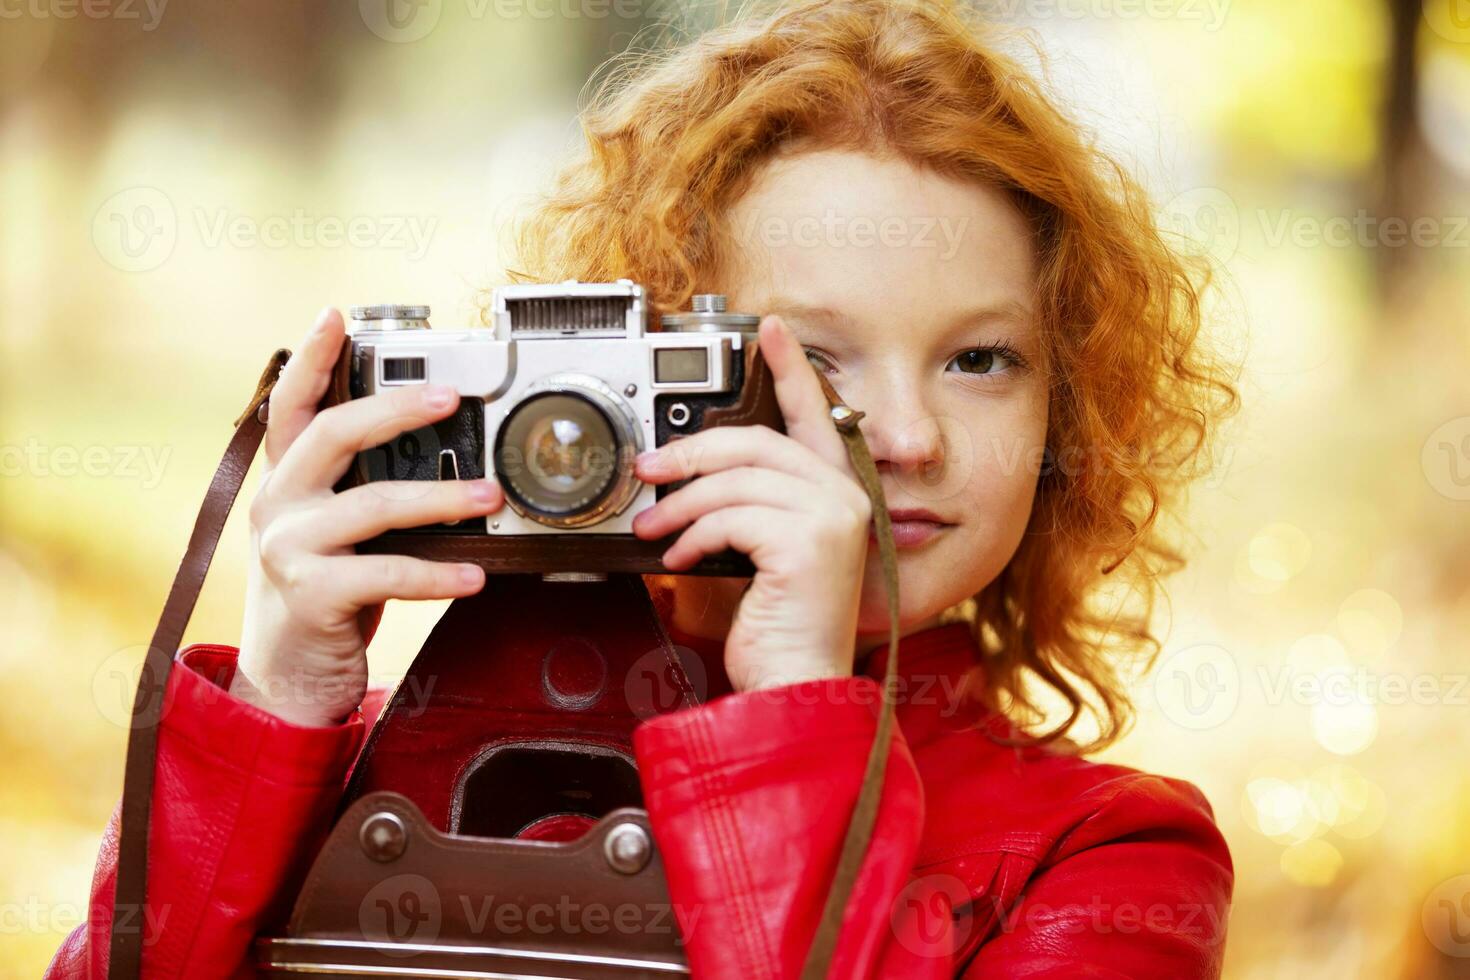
{"x":913,"y":293}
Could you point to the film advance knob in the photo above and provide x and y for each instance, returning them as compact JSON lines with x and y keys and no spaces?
{"x":391,"y":316}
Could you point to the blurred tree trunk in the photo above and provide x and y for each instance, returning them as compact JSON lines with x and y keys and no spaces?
{"x":1401,"y":160}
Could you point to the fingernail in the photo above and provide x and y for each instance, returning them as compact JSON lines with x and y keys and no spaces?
{"x":471,"y":575}
{"x":483,"y":490}
{"x":646,"y":458}
{"x":438,"y":396}
{"x":321,"y":319}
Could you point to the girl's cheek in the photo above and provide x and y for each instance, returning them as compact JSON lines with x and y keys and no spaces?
{"x":1001,"y":454}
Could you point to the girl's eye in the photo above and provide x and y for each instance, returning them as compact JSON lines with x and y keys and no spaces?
{"x":984,"y":360}
{"x":981,"y":361}
{"x":818,"y":360}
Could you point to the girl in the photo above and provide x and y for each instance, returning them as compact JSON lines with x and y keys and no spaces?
{"x":923,"y":227}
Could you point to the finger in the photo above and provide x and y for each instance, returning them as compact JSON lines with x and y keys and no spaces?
{"x":803,"y":403}
{"x":302,"y":384}
{"x":362,"y":580}
{"x":740,"y":485}
{"x":753,"y":530}
{"x":727,"y":446}
{"x":367,"y":511}
{"x":322,"y":452}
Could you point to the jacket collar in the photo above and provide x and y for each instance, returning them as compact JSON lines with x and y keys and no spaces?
{"x":939,"y":671}
{"x":949,"y":648}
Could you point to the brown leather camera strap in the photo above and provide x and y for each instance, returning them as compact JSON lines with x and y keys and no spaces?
{"x":865,"y":810}
{"x":125,"y":953}
{"x":126,"y":949}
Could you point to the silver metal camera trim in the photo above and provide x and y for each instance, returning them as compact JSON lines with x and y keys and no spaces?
{"x":625,"y":429}
{"x":498,"y":365}
{"x":635,"y":322}
{"x":392,"y":316}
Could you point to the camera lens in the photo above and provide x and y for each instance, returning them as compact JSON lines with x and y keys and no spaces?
{"x":556,"y":454}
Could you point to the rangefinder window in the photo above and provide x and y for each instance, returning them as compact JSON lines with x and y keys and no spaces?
{"x":404,"y":370}
{"x":681,"y":365}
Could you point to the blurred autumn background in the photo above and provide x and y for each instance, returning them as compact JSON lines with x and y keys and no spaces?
{"x":183,"y":186}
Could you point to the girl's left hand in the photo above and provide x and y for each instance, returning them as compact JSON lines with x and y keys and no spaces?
{"x":793,"y":504}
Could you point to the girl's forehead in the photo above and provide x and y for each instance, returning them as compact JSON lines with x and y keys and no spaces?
{"x":834,"y":232}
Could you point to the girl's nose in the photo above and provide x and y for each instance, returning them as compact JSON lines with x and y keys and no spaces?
{"x":902,"y":436}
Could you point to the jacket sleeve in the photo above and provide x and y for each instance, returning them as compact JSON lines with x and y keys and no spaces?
{"x":1139,"y":889}
{"x":749,"y":798}
{"x":241,"y":801}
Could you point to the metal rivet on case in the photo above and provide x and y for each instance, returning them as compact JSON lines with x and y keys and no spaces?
{"x":628,"y":848}
{"x":845,"y":417}
{"x":630,"y":390}
{"x":384,"y":837}
{"x":263,"y":413}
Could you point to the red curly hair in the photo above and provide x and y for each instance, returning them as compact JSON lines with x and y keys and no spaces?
{"x":674,"y":138}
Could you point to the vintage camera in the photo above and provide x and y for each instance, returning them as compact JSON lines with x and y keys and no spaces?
{"x":557,"y":398}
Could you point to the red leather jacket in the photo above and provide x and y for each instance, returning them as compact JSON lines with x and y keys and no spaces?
{"x":986,"y":861}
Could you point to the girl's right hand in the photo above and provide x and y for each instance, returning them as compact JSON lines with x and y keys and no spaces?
{"x":311,"y":602}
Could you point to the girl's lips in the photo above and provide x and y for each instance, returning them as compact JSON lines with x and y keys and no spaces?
{"x":909,"y":534}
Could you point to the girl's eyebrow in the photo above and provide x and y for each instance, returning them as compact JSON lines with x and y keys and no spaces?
{"x":1015,"y":313}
